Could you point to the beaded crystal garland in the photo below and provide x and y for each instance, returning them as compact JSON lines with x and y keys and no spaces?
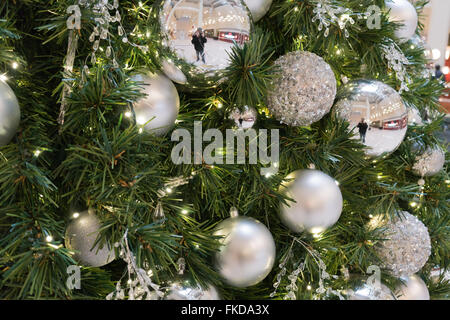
{"x":324,"y":12}
{"x":408,"y":244}
{"x":397,"y":61}
{"x":304,"y":91}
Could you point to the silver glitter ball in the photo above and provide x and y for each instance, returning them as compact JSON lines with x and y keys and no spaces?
{"x":81,"y":234}
{"x":318,"y":203}
{"x":159,"y":109}
{"x":413,"y":288}
{"x":258,"y":8}
{"x":244,"y":119}
{"x":376,"y":113}
{"x":361,"y":290}
{"x":186,"y":291}
{"x":304,"y":91}
{"x":407,"y":246}
{"x":404,"y":13}
{"x":9,"y":113}
{"x":430,"y":162}
{"x":247,"y":253}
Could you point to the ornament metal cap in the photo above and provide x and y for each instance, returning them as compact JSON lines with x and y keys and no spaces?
{"x":234,"y":212}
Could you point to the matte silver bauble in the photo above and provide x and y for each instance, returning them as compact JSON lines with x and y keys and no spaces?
{"x":81,"y":234}
{"x":9,"y":113}
{"x":200,"y":34}
{"x":159,"y":109}
{"x":376,"y":113}
{"x":244,"y":119}
{"x":404,"y":13}
{"x":318,"y":203}
{"x":247,"y":253}
{"x":185,"y":291}
{"x":258,"y":8}
{"x":430,"y":162}
{"x":413,"y":288}
{"x":304,"y":89}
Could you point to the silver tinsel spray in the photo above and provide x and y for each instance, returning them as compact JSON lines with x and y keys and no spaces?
{"x":326,"y":14}
{"x":397,"y":62}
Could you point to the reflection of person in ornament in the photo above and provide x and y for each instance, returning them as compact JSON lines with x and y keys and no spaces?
{"x":199,"y":40}
{"x":362,"y":127}
{"x":438,"y":73}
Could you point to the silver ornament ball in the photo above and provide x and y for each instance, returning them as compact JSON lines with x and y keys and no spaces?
{"x":361,"y":290}
{"x":407,"y":246}
{"x":244,"y":119}
{"x":318,"y":203}
{"x":81,"y":234}
{"x":258,"y":8}
{"x":304,"y":89}
{"x":376,"y":113}
{"x":186,"y":291}
{"x":247,"y":253}
{"x":9,"y":113}
{"x":159,"y":109}
{"x":430,"y":162}
{"x":173,"y":72}
{"x":413,"y":288}
{"x":404,"y":13}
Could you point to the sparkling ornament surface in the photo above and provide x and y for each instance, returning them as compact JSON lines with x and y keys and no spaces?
{"x":80,"y":237}
{"x":247,"y":254}
{"x":9,"y":113}
{"x":185,"y":291}
{"x":258,"y":8}
{"x":304,"y":91}
{"x":318,"y":203}
{"x":200,"y":35}
{"x":382,"y":109}
{"x":244,"y":119}
{"x":430,"y":162}
{"x":403,"y":12}
{"x":160,"y":106}
{"x":414,"y":288}
{"x":407,"y":246}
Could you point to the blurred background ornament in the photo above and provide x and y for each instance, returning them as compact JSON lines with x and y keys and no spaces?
{"x":318,"y":203}
{"x":414,"y":117}
{"x":186,"y":291}
{"x":404,"y":13}
{"x":159,"y":109}
{"x":9,"y":113}
{"x":258,"y":8}
{"x":199,"y":37}
{"x":430,"y":162}
{"x":244,"y":119}
{"x":413,"y":288}
{"x":81,"y":234}
{"x":304,"y":91}
{"x":173,"y":72}
{"x":407,"y":246}
{"x":247,"y":253}
{"x":376,"y":111}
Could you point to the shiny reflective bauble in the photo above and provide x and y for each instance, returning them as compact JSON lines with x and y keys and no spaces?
{"x":413,"y":288}
{"x":361,"y":290}
{"x":430,"y":162}
{"x":186,"y":291}
{"x":81,"y":234}
{"x":404,"y":13}
{"x":9,"y":113}
{"x":303,"y":90}
{"x":318,"y":203}
{"x":173,"y":72}
{"x":200,"y":34}
{"x":159,"y":109}
{"x":244,"y":119}
{"x":247,"y":253}
{"x":258,"y":8}
{"x":382,"y":110}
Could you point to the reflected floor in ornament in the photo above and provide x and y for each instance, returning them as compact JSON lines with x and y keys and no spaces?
{"x":382,"y":141}
{"x":216,"y":53}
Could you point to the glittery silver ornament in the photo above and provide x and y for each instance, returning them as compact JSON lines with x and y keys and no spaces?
{"x":258,"y":8}
{"x":407,"y":246}
{"x":159,"y":109}
{"x":304,"y":91}
{"x":9,"y":113}
{"x":185,"y":291}
{"x":247,"y":253}
{"x":414,"y":117}
{"x":200,"y":35}
{"x":361,"y":290}
{"x":376,"y":112}
{"x":244,"y":119}
{"x":318,"y":203}
{"x":429,"y":162}
{"x":413,"y":288}
{"x":81,"y":234}
{"x":404,"y":13}
{"x":173,"y":72}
